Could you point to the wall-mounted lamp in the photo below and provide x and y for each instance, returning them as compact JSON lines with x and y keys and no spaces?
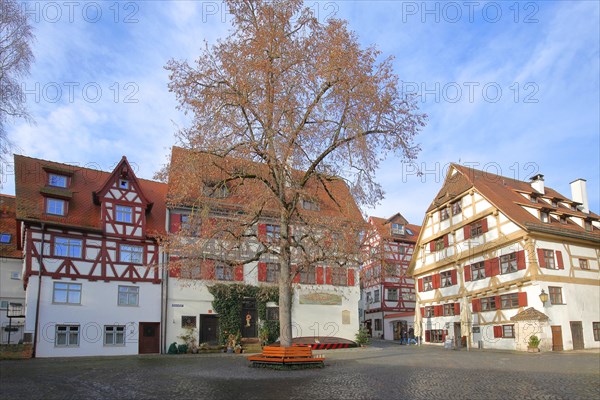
{"x":543,"y":297}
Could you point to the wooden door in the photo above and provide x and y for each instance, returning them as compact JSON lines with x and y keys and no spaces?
{"x":149,"y":338}
{"x":577,"y":335}
{"x":457,"y":335}
{"x":557,"y":340}
{"x":249,"y":318}
{"x":209,"y":328}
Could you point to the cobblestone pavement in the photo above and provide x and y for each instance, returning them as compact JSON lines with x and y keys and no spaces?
{"x":382,"y":371}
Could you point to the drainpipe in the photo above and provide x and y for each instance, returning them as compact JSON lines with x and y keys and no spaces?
{"x":39,"y":292}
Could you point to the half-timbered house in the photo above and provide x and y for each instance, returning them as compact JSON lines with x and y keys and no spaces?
{"x":387,"y":292}
{"x":325,"y":296}
{"x":91,"y":258}
{"x":499,"y":260}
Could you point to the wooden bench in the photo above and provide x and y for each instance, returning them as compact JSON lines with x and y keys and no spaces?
{"x":286,"y":356}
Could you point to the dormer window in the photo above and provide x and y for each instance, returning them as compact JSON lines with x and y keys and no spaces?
{"x":397,"y":229}
{"x":533,"y":198}
{"x":554,"y":203}
{"x":123,"y":214}
{"x":573,"y":207}
{"x":216,"y":191}
{"x":57,"y":180}
{"x":5,"y":238}
{"x":545,"y":216}
{"x":563,"y":220}
{"x":123,"y":184}
{"x":310,"y":205}
{"x":588,"y":225}
{"x":55,"y":206}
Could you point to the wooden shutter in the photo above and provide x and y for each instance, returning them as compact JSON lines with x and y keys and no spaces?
{"x":541,"y":260}
{"x":435,"y":280}
{"x":175,"y":223}
{"x":467,"y":273}
{"x":207,"y":269}
{"x":498,"y":331}
{"x":427,"y":335}
{"x":328,"y":276}
{"x":467,"y":232}
{"x":487,"y":265}
{"x":522,"y":299}
{"x":262,"y":232}
{"x":239,"y":273}
{"x":495,"y":266}
{"x":446,"y":241}
{"x":174,"y":267}
{"x":420,"y":284}
{"x":484,"y":225}
{"x":350,"y":276}
{"x":432,"y":246}
{"x":319,"y":275}
{"x":559,"y":260}
{"x":521,"y":260}
{"x":422,"y":312}
{"x":476,"y":303}
{"x":438,"y":311}
{"x":262,"y":272}
{"x":453,"y":277}
{"x":295,"y":274}
{"x":498,"y":303}
{"x":456,"y":308}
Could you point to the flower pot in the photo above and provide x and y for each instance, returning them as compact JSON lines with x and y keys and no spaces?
{"x":533,"y":349}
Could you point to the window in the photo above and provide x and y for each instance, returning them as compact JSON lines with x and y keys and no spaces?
{"x":456,"y":207}
{"x":114,"y":335}
{"x":448,"y":309}
{"x":583,"y":263}
{"x":190,"y":272}
{"x":439,"y":244}
{"x":5,"y":237}
{"x":446,"y":278}
{"x":129,"y":295}
{"x":123,"y":184}
{"x":339,"y":276}
{"x":66,"y":293}
{"x":508,"y":263}
{"x":429,"y":312}
{"x":310,"y":205}
{"x":378,"y":324}
{"x":555,"y":295}
{"x":554,"y":203}
{"x":15,"y":275}
{"x":533,"y":198}
{"x":65,"y":247}
{"x":478,"y":271}
{"x":428,"y":283}
{"x":509,"y":301}
{"x":55,"y":206}
{"x":476,"y":229}
{"x":588,"y":225}
{"x":392,"y":294}
{"x":123,"y":214}
{"x":4,"y":305}
{"x":223,"y":272}
{"x":545,"y":216}
{"x":563,"y":220}
{"x":131,"y":254}
{"x":444,"y":214}
{"x":216,"y":191}
{"x":273,"y":233}
{"x":272,"y":272}
{"x":488,"y":304}
{"x":57,"y":180}
{"x":67,"y":335}
{"x":188,"y":321}
{"x":508,"y":331}
{"x":272,"y":313}
{"x":596,"y":329}
{"x":308,"y":275}
{"x":436,"y":336}
{"x":549,"y":259}
{"x":376,"y":295}
{"x":397,"y":229}
{"x":369,"y":298}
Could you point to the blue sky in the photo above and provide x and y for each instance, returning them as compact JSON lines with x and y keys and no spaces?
{"x":509,"y":87}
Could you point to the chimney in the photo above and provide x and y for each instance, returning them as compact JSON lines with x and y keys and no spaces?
{"x":537,"y":183}
{"x":579,"y":194}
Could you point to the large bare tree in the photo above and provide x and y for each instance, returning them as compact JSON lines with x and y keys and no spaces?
{"x":303,"y":104}
{"x":15,"y":60}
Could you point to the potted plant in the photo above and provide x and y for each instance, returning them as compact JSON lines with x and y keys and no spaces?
{"x":238,"y":348}
{"x":533,"y":344}
{"x":362,"y":337}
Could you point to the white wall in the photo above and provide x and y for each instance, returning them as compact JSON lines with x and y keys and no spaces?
{"x":11,"y":291}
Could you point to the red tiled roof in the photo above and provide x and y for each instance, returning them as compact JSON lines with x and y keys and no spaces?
{"x":30,"y":182}
{"x":8,"y":224}
{"x":504,"y":193}
{"x":383,"y":228}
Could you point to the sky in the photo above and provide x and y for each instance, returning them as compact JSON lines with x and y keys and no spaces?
{"x":509,"y":87}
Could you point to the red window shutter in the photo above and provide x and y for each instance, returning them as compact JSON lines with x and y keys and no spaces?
{"x":487,"y":264}
{"x":523,"y":299}
{"x":207,"y":269}
{"x":427,"y":335}
{"x":422,"y":312}
{"x":541,"y":260}
{"x":262,"y":232}
{"x":467,"y":273}
{"x":521,"y":260}
{"x":438,"y":311}
{"x":174,"y":267}
{"x":456,"y":308}
{"x":484,"y":225}
{"x":498,"y":331}
{"x":495,"y":265}
{"x":295,"y":274}
{"x":446,"y":241}
{"x":498,"y":304}
{"x":453,"y":277}
{"x":350,"y":276}
{"x":239,"y":273}
{"x":467,"y":232}
{"x":420,"y":284}
{"x":432,"y":246}
{"x":328,"y":276}
{"x":559,"y":260}
{"x":476,"y":305}
{"x":319,"y":275}
{"x":175,"y":223}
{"x":262,"y":272}
{"x":435,"y":280}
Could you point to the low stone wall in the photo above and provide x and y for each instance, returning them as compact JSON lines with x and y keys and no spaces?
{"x":15,"y":351}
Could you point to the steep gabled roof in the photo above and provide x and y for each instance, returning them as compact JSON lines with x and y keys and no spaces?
{"x":123,"y":171}
{"x":30,"y":185}
{"x":383,"y":228}
{"x":8,"y":224}
{"x":191,"y":171}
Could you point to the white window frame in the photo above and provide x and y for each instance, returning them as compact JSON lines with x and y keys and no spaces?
{"x":273,"y":271}
{"x":508,"y":263}
{"x":398,"y":229}
{"x":389,"y":294}
{"x":56,"y":206}
{"x":129,"y":253}
{"x":123,"y":214}
{"x":70,"y":333}
{"x":52,"y":182}
{"x":69,"y":289}
{"x":70,"y":245}
{"x":128,"y":296}
{"x":224,"y":272}
{"x":114,"y":335}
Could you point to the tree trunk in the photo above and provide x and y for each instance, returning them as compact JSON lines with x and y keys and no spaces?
{"x":285,"y":287}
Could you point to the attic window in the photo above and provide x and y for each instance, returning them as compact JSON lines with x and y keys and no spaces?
{"x":5,"y":237}
{"x":216,"y":191}
{"x":123,"y":184}
{"x":545,"y":216}
{"x":554,"y":203}
{"x":444,"y":214}
{"x":533,"y":198}
{"x":310,"y":205}
{"x":588,"y":225}
{"x":57,"y":180}
{"x":456,"y":207}
{"x":563,"y":220}
{"x":397,"y":229}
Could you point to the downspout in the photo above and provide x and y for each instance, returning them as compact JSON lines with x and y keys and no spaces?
{"x":39,"y":292}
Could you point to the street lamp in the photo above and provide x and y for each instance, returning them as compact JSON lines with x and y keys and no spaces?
{"x":543,"y":297}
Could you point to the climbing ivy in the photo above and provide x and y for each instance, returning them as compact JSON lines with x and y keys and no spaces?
{"x":227,"y":303}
